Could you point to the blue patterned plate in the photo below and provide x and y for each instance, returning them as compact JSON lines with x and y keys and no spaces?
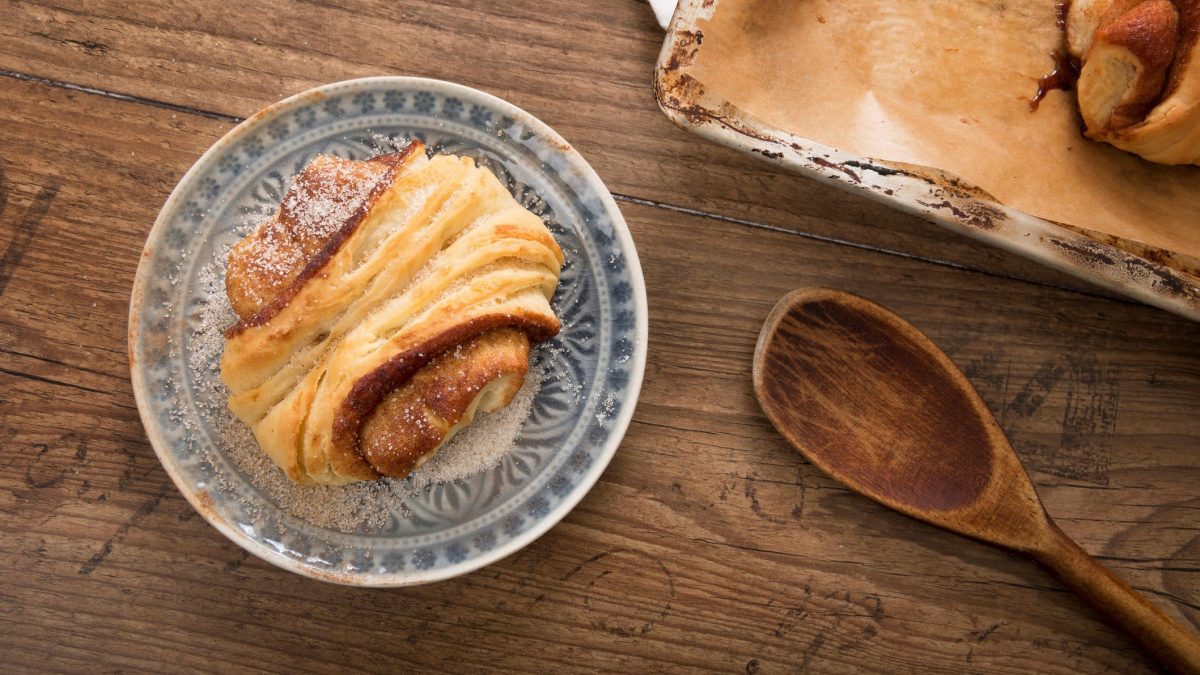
{"x":578,"y":417}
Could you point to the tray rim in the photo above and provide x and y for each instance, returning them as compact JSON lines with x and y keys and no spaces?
{"x":929,"y":193}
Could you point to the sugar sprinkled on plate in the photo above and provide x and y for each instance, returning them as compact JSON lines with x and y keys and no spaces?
{"x":357,"y":507}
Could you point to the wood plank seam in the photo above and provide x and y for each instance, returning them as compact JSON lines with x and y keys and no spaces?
{"x":64,"y":364}
{"x":127,"y":98}
{"x":46,"y":380}
{"x":620,"y":197}
{"x":853,"y":244}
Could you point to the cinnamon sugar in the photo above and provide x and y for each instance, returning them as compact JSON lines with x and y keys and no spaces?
{"x":357,"y":507}
{"x":315,"y":210}
{"x":323,"y":197}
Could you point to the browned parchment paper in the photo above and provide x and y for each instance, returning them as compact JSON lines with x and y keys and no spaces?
{"x":945,"y":84}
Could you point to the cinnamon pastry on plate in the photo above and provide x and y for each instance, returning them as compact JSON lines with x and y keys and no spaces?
{"x":1139,"y":82}
{"x":385,"y":304}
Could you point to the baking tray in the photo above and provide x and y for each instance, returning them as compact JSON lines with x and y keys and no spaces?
{"x":1152,"y":275}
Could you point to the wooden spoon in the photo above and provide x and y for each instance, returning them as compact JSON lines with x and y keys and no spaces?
{"x":876,"y":405}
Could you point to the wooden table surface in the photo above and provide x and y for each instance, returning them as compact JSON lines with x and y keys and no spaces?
{"x":708,"y":543}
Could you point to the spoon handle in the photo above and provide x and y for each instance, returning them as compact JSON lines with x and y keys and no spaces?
{"x":1174,"y":646}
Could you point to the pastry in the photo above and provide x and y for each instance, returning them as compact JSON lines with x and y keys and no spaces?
{"x":383,"y":305}
{"x":1139,"y":80}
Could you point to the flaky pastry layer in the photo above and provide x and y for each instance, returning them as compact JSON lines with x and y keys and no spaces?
{"x":1139,"y":81}
{"x":377,"y":288}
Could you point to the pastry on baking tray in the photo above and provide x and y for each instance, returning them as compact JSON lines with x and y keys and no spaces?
{"x":384,"y":304}
{"x":1139,"y":82}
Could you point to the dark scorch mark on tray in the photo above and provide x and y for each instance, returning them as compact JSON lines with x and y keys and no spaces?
{"x":875,"y":168}
{"x":1095,"y":253}
{"x":976,"y":214}
{"x":836,"y":167}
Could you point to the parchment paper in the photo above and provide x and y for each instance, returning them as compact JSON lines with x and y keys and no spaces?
{"x":945,"y":84}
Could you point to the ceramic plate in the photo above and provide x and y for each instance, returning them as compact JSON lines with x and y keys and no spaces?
{"x":579,"y":415}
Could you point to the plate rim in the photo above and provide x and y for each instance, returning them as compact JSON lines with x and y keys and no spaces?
{"x":620,"y":424}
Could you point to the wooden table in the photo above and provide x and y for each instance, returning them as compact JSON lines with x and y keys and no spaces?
{"x":708,"y":543}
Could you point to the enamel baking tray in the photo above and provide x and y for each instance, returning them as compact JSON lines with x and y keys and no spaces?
{"x":1154,"y":276}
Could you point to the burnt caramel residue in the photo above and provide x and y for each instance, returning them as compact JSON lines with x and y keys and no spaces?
{"x":1061,"y":10}
{"x":1064,"y":76}
{"x":1066,"y":67}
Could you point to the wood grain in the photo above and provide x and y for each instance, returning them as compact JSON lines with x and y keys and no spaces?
{"x":707,"y":545}
{"x":869,"y":399}
{"x":582,"y":67}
